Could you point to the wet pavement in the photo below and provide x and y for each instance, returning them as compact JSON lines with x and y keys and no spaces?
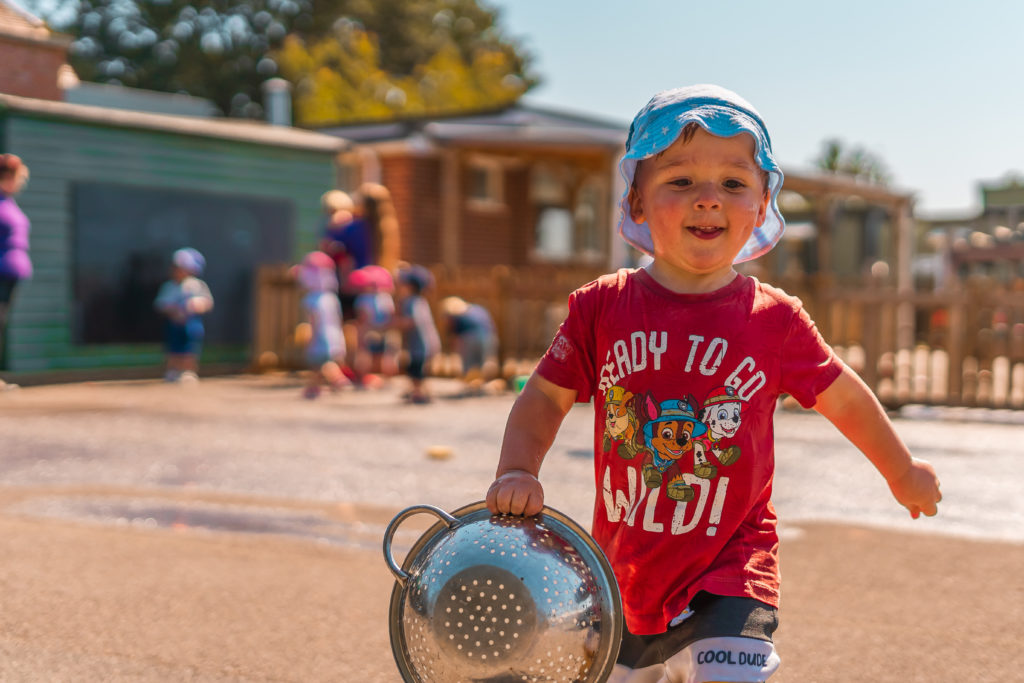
{"x":247,"y":454}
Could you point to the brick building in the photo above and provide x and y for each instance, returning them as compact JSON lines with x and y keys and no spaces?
{"x":33,"y":55}
{"x":519,"y":187}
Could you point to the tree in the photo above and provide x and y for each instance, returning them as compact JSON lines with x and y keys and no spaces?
{"x":349,"y":74}
{"x":208,"y":48}
{"x":856,"y":162}
{"x":390,"y":56}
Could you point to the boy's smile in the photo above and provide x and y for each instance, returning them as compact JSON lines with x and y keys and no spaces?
{"x":701,"y":200}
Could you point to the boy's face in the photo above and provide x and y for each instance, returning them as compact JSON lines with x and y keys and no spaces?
{"x":701,"y":201}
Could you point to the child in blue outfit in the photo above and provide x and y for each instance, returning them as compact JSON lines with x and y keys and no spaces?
{"x":684,"y":361}
{"x":420,"y":338}
{"x":184,"y":300}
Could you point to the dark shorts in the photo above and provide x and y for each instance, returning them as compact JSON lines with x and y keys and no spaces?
{"x":184,"y":338}
{"x":714,"y":617}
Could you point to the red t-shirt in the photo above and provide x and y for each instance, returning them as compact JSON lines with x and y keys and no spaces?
{"x":684,"y":389}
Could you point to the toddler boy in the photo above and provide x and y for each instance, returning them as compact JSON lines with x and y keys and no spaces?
{"x":683,"y":511}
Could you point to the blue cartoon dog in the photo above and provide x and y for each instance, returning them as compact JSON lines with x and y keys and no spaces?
{"x":669,"y":434}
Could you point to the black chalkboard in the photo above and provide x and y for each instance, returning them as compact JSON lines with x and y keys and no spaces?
{"x":123,"y":238}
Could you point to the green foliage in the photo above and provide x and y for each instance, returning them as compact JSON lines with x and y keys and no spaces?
{"x":856,"y":162}
{"x":347,"y":59}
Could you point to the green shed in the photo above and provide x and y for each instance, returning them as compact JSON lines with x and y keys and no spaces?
{"x":113,"y":193}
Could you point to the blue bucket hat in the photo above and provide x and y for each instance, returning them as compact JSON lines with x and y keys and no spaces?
{"x":189,"y":260}
{"x":720,"y":112}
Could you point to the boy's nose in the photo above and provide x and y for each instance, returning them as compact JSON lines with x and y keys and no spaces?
{"x":707,"y":198}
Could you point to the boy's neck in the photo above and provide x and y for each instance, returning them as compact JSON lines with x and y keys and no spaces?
{"x":683,"y":282}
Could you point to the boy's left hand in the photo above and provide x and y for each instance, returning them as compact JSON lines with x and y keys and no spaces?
{"x":918,"y":489}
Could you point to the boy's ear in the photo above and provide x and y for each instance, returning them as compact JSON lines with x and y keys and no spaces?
{"x":636,"y":209}
{"x":762,"y":212}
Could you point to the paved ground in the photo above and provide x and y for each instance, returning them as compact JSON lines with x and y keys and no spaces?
{"x":231,"y":532}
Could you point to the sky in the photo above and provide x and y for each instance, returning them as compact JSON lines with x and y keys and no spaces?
{"x":934,"y":89}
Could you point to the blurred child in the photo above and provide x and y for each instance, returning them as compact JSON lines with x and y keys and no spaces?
{"x":419,"y":334}
{"x":475,"y":338}
{"x":344,"y":240}
{"x":374,"y":308}
{"x":325,"y":342}
{"x":183,"y":300}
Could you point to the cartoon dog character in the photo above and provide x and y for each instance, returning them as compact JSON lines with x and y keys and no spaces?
{"x":620,"y":422}
{"x":722,"y":412}
{"x":669,"y":434}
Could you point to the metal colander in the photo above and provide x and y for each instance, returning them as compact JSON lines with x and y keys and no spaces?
{"x":501,"y":598}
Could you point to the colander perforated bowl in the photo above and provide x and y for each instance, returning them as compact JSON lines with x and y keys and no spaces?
{"x":501,"y":598}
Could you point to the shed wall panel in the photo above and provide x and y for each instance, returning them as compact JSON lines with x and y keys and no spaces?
{"x":61,"y":152}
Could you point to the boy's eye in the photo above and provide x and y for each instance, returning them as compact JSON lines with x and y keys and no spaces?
{"x":734,"y":184}
{"x":680,"y":182}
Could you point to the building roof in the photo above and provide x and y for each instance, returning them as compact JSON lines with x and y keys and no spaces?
{"x":517,"y":124}
{"x":243,"y":130}
{"x":19,"y":24}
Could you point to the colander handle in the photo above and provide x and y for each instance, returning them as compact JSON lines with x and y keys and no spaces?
{"x":393,"y":526}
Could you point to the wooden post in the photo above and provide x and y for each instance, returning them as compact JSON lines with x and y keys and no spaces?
{"x":905,"y":332}
{"x":451,"y":207}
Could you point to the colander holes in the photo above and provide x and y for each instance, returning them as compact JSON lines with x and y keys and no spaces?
{"x":501,"y":586}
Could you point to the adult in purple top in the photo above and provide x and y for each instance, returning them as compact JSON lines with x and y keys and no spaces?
{"x":14,"y":228}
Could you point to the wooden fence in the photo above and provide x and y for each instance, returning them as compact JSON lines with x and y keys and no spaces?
{"x":527,"y":306}
{"x":962,"y":348}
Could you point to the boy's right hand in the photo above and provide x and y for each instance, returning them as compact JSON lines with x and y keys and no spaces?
{"x":918,"y":489}
{"x":517,"y":492}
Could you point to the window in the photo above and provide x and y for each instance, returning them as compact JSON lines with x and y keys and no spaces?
{"x":571,"y":216}
{"x":486,"y":180}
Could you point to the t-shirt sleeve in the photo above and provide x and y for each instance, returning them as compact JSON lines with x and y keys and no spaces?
{"x":809,"y":365}
{"x":569,"y":360}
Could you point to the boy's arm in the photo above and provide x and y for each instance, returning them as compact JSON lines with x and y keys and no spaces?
{"x":531,"y":429}
{"x":850,"y":405}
